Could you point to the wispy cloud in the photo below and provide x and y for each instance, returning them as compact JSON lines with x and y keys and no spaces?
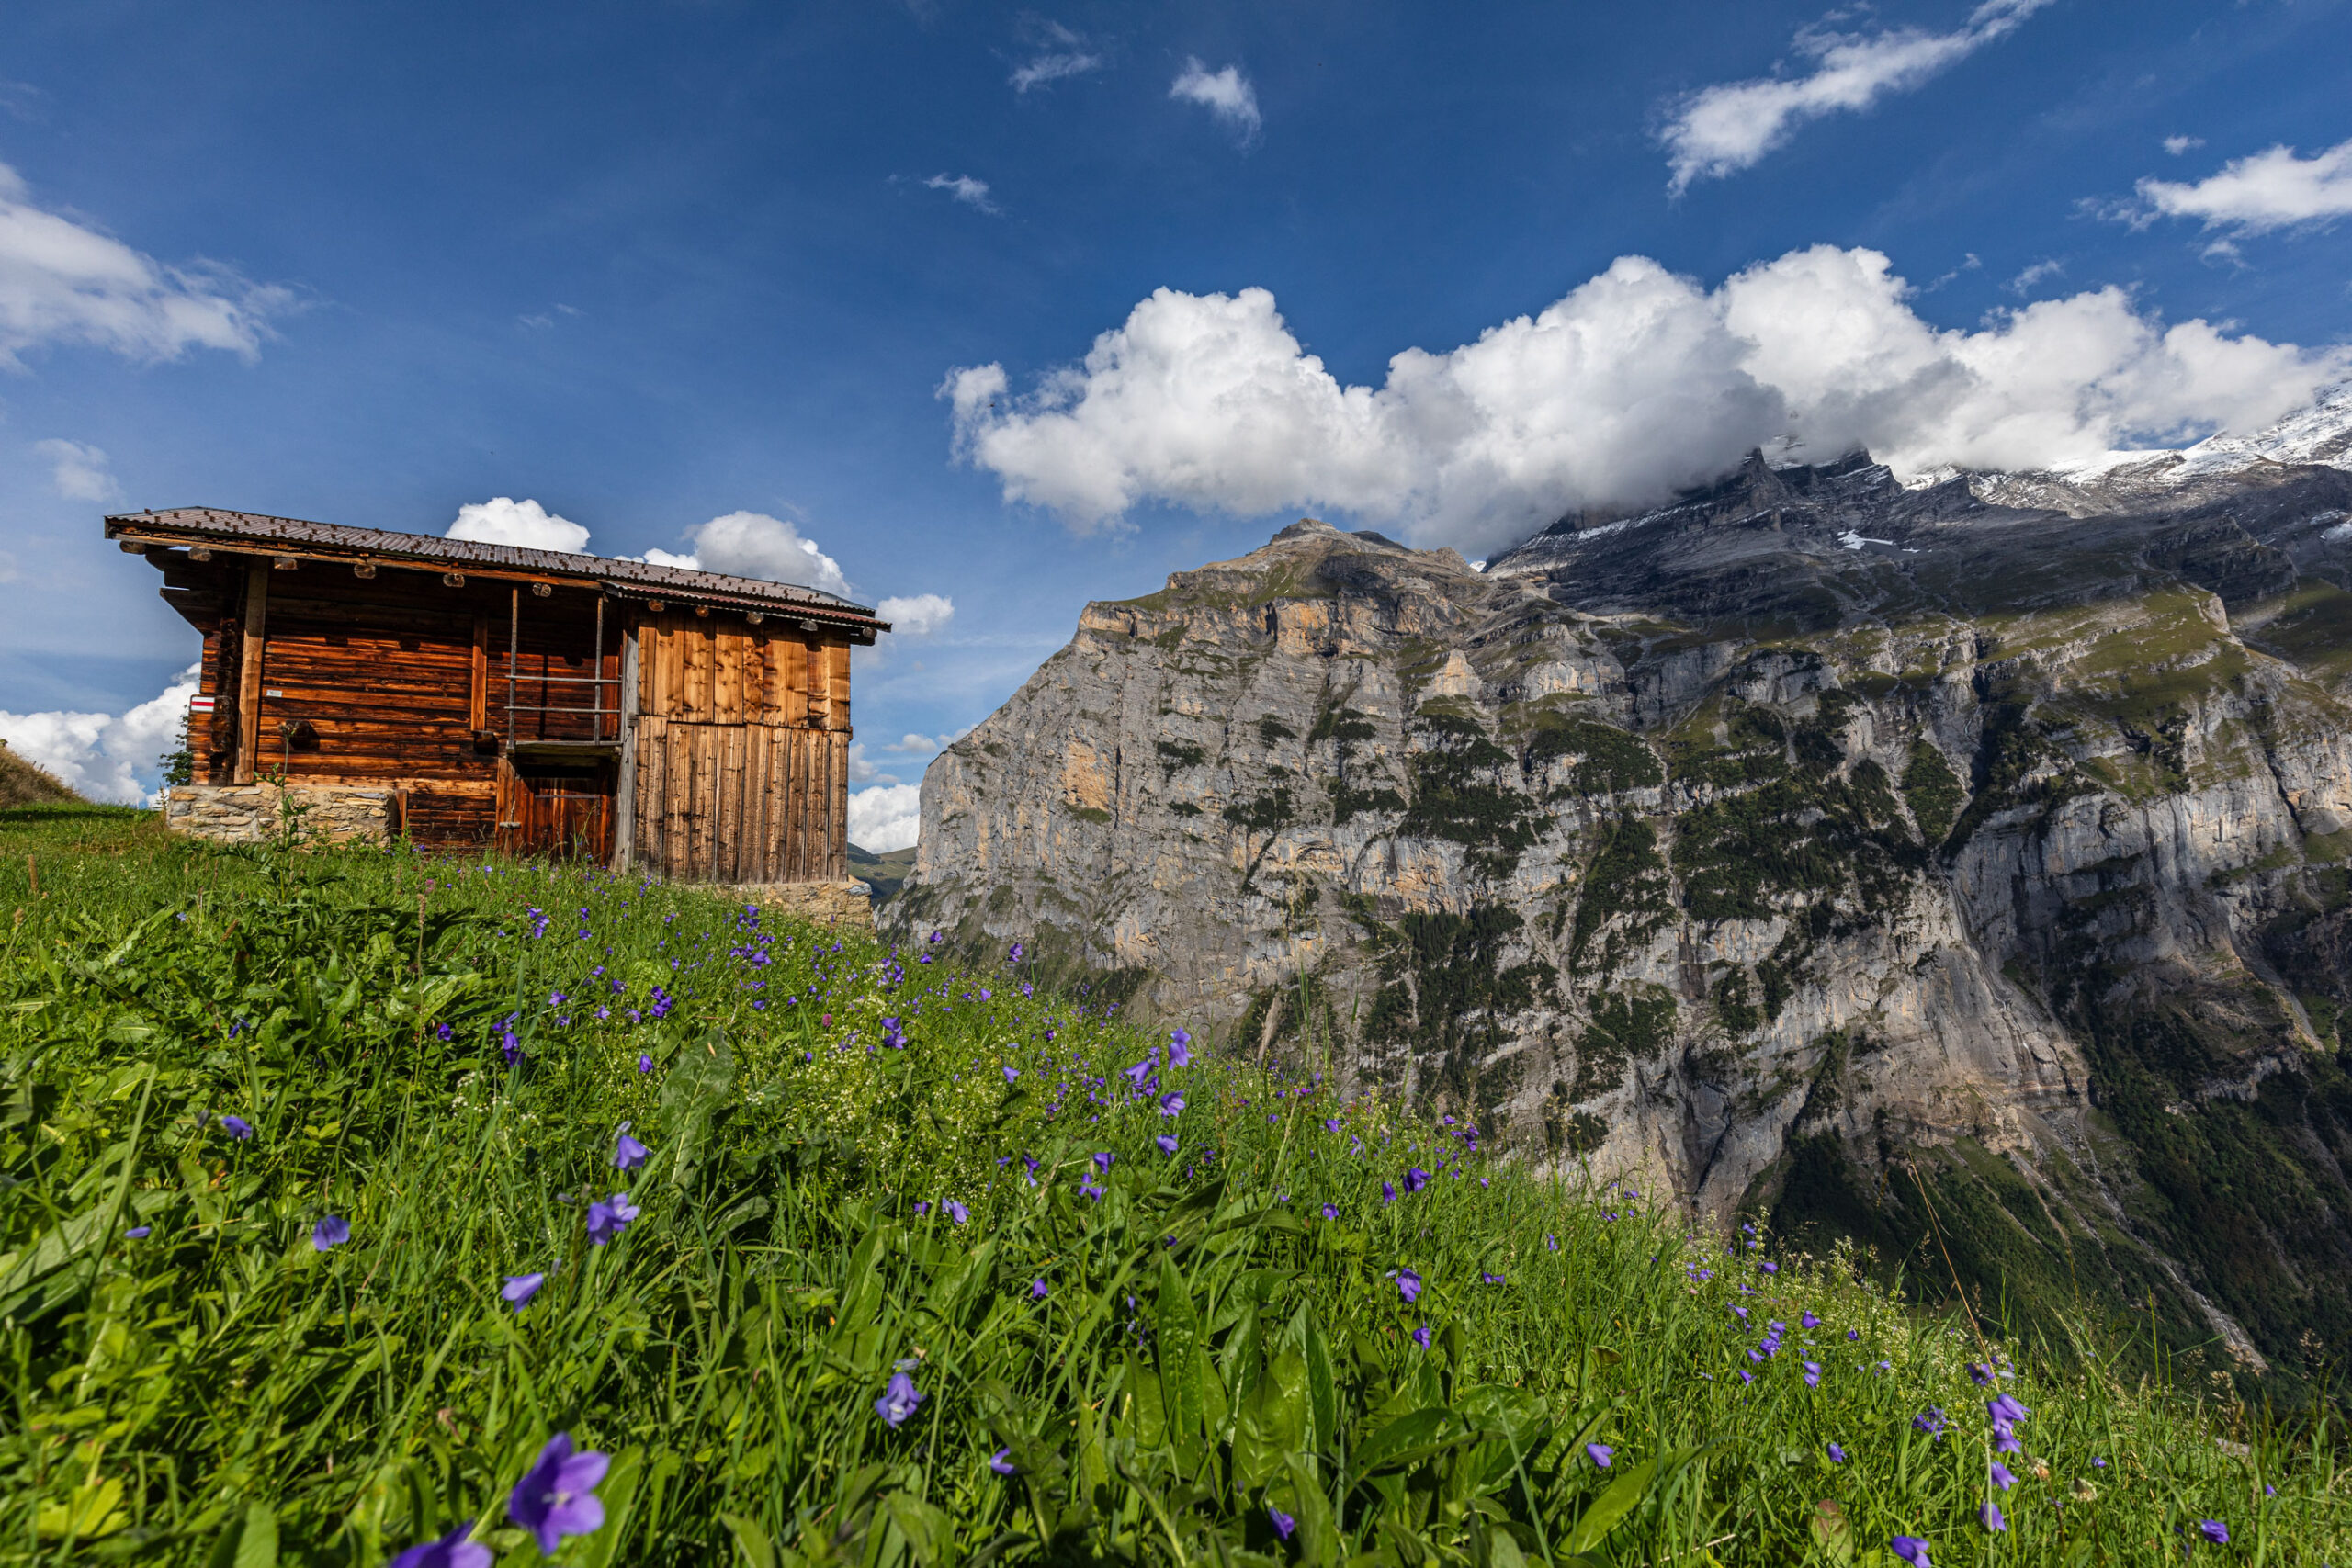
{"x":2176,"y":145}
{"x":965,"y":189}
{"x":63,"y":281}
{"x":2041,"y":271}
{"x":1044,"y":68}
{"x":2271,"y":189}
{"x":78,"y":470}
{"x":1226,"y":94}
{"x":1722,"y":129}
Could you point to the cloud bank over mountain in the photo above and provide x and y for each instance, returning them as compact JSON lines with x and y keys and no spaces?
{"x":1638,"y":382}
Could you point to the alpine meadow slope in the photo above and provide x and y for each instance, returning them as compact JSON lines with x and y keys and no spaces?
{"x":1964,"y":868}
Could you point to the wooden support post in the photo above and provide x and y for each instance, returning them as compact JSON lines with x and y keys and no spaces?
{"x":253,"y":645}
{"x":478,"y":704}
{"x":514,"y":636}
{"x":625,"y":787}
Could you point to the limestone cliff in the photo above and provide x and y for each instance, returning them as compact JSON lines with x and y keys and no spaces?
{"x":1969,"y":879}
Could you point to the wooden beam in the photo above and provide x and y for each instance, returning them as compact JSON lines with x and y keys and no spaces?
{"x":625,"y":787}
{"x":478,"y":706}
{"x":252,"y":646}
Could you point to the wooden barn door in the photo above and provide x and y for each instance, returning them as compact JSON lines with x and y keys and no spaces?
{"x":559,"y":810}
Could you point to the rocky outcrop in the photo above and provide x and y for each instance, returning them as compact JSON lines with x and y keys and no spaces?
{"x":1968,"y":880}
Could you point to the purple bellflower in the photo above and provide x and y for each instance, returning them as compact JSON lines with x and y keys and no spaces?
{"x":1408,"y":1284}
{"x":2215,"y":1531}
{"x":898,"y":1401}
{"x":332,"y":1230}
{"x":608,"y":1218}
{"x":1911,"y":1548}
{"x":557,"y":1497}
{"x":238,"y":1128}
{"x":452,"y":1551}
{"x":1179,"y":1049}
{"x":628,"y":1153}
{"x":1001,"y":1460}
{"x":1284,"y":1523}
{"x":520,"y":1288}
{"x":1416,"y":1178}
{"x":1600,"y":1453}
{"x":1989,"y":1516}
{"x":1167,"y":1144}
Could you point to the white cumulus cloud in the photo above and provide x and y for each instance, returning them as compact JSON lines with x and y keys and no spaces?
{"x":2176,"y":145}
{"x":1634,"y":384}
{"x":964,"y":188}
{"x":523,"y":524}
{"x":917,"y":614}
{"x":861,"y":768}
{"x":63,"y":281}
{"x":1722,"y":129}
{"x":2271,"y":189}
{"x":114,"y":758}
{"x":1227,"y":95}
{"x":886,"y":817}
{"x":78,"y":470}
{"x":751,"y":544}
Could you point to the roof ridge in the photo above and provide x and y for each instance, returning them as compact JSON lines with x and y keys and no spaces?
{"x":222,"y":523}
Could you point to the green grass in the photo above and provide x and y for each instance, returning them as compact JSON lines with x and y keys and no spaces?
{"x":1221,"y":1332}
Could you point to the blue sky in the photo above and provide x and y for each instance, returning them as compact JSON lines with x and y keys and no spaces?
{"x":650,"y":265}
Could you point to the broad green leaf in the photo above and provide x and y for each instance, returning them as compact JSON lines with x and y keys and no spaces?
{"x":1322,"y":1388}
{"x":1407,"y":1438}
{"x":1608,"y":1510}
{"x":929,"y":1535}
{"x":257,"y":1546}
{"x":750,"y":1540}
{"x":1181,"y":1361}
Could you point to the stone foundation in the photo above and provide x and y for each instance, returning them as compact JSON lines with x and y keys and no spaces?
{"x":253,"y":814}
{"x":848,"y":902}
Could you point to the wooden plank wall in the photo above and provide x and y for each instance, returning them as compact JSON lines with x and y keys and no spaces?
{"x":741,"y":802}
{"x":743,"y":751}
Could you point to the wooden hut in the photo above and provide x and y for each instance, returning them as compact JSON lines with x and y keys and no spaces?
{"x":475,"y":696}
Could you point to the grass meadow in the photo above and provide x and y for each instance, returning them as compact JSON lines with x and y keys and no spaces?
{"x":344,"y":1194}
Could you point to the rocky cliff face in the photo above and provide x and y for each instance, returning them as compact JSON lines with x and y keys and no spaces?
{"x":1972,"y":879}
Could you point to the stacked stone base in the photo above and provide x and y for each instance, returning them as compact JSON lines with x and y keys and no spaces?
{"x":256,"y":813}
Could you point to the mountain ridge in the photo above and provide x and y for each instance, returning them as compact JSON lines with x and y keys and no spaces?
{"x":1904,"y":864}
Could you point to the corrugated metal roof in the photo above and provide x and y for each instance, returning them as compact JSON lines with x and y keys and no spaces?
{"x":640,"y":579}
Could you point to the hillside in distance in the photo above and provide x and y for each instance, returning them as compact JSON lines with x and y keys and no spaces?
{"x":1963,"y":867}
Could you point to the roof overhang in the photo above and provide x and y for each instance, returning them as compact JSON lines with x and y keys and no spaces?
{"x":209,"y":531}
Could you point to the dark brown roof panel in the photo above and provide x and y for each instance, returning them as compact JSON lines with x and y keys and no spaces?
{"x":640,"y":579}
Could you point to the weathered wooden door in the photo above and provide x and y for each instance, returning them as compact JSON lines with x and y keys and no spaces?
{"x":562,"y":810}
